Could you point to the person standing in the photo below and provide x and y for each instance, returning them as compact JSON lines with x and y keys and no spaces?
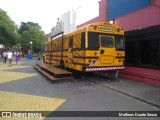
{"x":39,"y":57}
{"x":17,"y":57}
{"x":10,"y":55}
{"x":5,"y":57}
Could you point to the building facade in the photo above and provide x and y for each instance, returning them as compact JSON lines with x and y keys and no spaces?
{"x":140,"y":20}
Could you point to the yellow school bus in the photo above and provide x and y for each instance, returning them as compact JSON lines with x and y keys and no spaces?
{"x":98,"y":46}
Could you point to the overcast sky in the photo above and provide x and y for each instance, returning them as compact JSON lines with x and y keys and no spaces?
{"x":46,"y":12}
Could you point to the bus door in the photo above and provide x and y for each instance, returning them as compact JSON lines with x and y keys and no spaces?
{"x":107,"y":49}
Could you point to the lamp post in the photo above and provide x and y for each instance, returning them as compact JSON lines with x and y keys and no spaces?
{"x":31,"y":46}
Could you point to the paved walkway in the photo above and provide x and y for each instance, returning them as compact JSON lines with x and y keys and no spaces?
{"x":146,"y":92}
{"x":18,"y":101}
{"x":24,"y":89}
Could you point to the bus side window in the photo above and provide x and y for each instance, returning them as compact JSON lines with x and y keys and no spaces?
{"x":83,"y":40}
{"x":70,"y":42}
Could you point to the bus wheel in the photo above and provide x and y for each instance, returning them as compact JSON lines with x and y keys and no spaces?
{"x":62,"y":64}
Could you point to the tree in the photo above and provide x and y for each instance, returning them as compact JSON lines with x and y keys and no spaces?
{"x":8,"y":30}
{"x":31,"y":32}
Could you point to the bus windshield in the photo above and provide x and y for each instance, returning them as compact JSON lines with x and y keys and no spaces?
{"x":107,"y":41}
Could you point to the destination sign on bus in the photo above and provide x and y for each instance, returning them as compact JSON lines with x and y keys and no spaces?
{"x":107,"y":28}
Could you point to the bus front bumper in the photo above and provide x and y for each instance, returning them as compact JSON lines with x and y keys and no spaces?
{"x":113,"y":68}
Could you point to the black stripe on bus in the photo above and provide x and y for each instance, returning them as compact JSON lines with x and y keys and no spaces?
{"x":86,"y":57}
{"x":79,"y":49}
{"x":73,"y":49}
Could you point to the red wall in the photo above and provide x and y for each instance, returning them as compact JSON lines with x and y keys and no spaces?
{"x":148,"y":16}
{"x":157,"y":2}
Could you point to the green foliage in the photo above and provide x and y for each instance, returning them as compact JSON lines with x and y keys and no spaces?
{"x":8,"y":30}
{"x":12,"y":36}
{"x":31,"y":32}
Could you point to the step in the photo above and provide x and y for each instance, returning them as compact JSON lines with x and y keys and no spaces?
{"x":58,"y":72}
{"x":145,"y":75}
{"x":50,"y":76}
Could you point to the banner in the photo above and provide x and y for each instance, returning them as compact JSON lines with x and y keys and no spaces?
{"x":34,"y":114}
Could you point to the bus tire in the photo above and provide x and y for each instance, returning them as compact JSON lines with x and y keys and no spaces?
{"x":62,"y":64}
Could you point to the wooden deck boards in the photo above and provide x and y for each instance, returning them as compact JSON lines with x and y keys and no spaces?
{"x":52,"y":72}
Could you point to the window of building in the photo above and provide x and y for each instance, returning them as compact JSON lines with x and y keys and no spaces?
{"x":143,"y":53}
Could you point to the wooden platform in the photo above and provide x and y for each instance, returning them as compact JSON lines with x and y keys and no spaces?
{"x":52,"y":72}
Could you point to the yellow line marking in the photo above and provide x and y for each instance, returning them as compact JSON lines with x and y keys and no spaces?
{"x":11,"y":76}
{"x":6,"y":67}
{"x":21,"y":102}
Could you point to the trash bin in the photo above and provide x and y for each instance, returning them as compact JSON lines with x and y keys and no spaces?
{"x":29,"y":56}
